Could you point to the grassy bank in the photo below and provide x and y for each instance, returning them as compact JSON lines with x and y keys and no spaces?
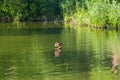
{"x":93,"y":13}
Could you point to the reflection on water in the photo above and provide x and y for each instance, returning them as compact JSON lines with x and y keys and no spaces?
{"x":58,"y":52}
{"x":29,"y":54}
{"x":115,"y":60}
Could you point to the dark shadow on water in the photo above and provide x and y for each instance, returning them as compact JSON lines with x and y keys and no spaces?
{"x":73,"y":61}
{"x":30,"y":31}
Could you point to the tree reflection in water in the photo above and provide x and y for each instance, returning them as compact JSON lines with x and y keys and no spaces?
{"x":115,"y":61}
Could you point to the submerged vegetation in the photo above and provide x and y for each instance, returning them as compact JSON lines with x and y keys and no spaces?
{"x":92,"y":13}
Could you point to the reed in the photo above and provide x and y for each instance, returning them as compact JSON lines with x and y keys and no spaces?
{"x":95,"y":13}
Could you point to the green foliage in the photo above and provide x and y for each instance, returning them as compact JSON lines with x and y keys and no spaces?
{"x":11,"y":10}
{"x":104,"y":14}
{"x":94,"y":13}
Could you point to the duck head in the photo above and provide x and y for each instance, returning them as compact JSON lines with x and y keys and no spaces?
{"x":58,"y":44}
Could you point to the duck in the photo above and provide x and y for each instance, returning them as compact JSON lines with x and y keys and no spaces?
{"x":58,"y":48}
{"x":58,"y":45}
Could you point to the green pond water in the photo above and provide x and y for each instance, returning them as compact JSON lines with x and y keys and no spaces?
{"x":27,"y":52}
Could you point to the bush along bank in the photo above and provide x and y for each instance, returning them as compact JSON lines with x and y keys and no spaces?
{"x":95,"y":14}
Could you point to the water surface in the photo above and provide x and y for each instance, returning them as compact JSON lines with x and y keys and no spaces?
{"x":27,"y":52}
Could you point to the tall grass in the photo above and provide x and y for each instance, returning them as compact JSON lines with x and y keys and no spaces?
{"x":95,"y":13}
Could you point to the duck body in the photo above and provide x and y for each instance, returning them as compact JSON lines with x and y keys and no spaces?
{"x":58,"y":45}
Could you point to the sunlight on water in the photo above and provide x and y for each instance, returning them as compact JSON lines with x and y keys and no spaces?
{"x":29,"y":54}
